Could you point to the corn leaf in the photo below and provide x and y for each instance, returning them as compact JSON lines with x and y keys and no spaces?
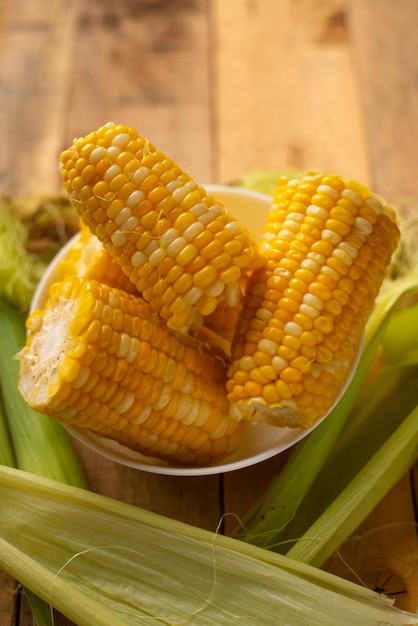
{"x":101,"y":562}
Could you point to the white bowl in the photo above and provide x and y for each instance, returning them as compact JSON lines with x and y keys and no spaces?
{"x":261,"y":441}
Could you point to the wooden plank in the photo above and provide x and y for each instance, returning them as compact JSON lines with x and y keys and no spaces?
{"x":285,"y":89}
{"x":385,"y":54}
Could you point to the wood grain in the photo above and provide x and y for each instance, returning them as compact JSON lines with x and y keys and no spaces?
{"x":225,"y":88}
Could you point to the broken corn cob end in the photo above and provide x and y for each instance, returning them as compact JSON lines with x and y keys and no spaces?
{"x":327,"y":243}
{"x":96,"y":358}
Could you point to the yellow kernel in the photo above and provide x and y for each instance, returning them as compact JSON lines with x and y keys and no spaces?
{"x":301,"y":363}
{"x":157,"y":194}
{"x":230,"y":275}
{"x":286,"y":353}
{"x":322,"y":247}
{"x":323,"y":355}
{"x":308,"y":339}
{"x":303,"y":320}
{"x":270,"y":393}
{"x":261,"y":358}
{"x":291,"y":341}
{"x":320,"y":291}
{"x":338,"y":227}
{"x":205,"y":277}
{"x":290,"y":375}
{"x":273,"y":334}
{"x":283,"y":389}
{"x":324,"y":324}
{"x":288,"y":304}
{"x":69,"y":369}
{"x":187,"y":254}
{"x":184,"y":220}
{"x":253,"y":389}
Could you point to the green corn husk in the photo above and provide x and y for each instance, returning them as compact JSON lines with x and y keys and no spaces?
{"x":100,"y":561}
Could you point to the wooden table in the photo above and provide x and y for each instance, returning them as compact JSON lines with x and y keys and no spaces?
{"x":226,"y":88}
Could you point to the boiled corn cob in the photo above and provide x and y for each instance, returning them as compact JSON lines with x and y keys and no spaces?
{"x":87,"y":258}
{"x":328,"y":242}
{"x":96,"y":358}
{"x":179,"y":247}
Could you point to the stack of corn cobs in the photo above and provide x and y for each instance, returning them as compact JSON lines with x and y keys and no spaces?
{"x":171,"y":328}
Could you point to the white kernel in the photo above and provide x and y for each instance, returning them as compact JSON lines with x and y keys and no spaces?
{"x":220,"y":430}
{"x":390,"y":213}
{"x":232,"y":294}
{"x":234,"y":227}
{"x":134,"y":198}
{"x":267,"y":346}
{"x":126,"y":403}
{"x":308,"y":310}
{"x":140,"y":175}
{"x":193,"y":295}
{"x":168,"y":237}
{"x":152,"y":245}
{"x":206,"y":218}
{"x":111,"y":172}
{"x":176,"y":246}
{"x":278,"y":364}
{"x":283,"y":273}
{"x":375,"y":204}
{"x":328,"y":191}
{"x":287,"y":235}
{"x":331,"y":237}
{"x":311,"y":265}
{"x":264,"y":314}
{"x":317,"y":211}
{"x":149,"y":440}
{"x":215,"y":289}
{"x":169,"y":370}
{"x":292,"y":328}
{"x":331,"y":273}
{"x":295,"y":217}
{"x":96,"y":155}
{"x":163,"y":398}
{"x":82,"y":377}
{"x":353,"y":196}
{"x":363,"y":225}
{"x":123,"y":215}
{"x":120,"y":140}
{"x":131,"y":223}
{"x":316,"y":257}
{"x":291,"y":225}
{"x":348,"y":248}
{"x":133,"y":350}
{"x":191,"y":416}
{"x":173,"y":185}
{"x":118,"y":238}
{"x":247,"y":363}
{"x":143,"y":415}
{"x":199,"y":209}
{"x":342,"y":256}
{"x":180,"y":193}
{"x":113,"y":152}
{"x":157,"y":256}
{"x":312,"y":300}
{"x":138,"y":258}
{"x":193,"y":231}
{"x":189,"y":384}
{"x":315,"y":370}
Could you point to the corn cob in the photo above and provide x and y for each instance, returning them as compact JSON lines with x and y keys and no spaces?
{"x":88,"y":259}
{"x":179,"y":247}
{"x":328,"y":242}
{"x":96,"y":358}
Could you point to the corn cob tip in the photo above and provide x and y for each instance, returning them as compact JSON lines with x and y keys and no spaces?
{"x":327,"y":244}
{"x":180,"y":248}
